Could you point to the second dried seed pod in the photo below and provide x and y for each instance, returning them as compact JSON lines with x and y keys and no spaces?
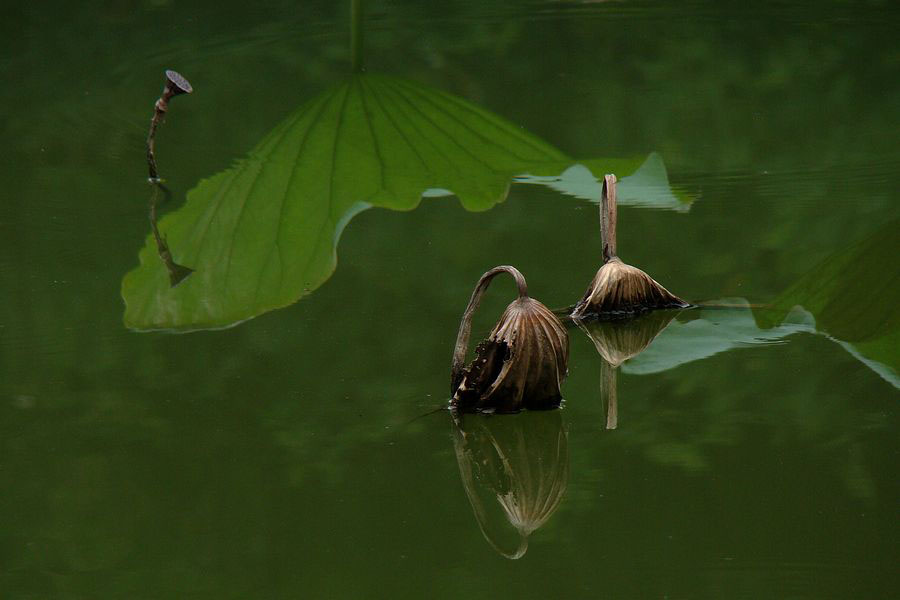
{"x":619,"y":289}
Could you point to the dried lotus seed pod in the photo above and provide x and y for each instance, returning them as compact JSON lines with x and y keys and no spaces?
{"x":619,"y":289}
{"x":521,"y":365}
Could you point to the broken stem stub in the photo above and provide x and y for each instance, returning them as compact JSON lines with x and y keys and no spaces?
{"x":176,"y":85}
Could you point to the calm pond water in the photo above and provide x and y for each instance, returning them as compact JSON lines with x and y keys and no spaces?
{"x":267,"y":428}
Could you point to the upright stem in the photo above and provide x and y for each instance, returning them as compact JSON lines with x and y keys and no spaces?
{"x":158,"y":115}
{"x":356,"y":35}
{"x":175,"y":85}
{"x":465,"y":325}
{"x":608,"y":217}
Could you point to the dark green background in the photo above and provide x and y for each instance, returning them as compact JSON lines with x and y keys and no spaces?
{"x":276,"y":459}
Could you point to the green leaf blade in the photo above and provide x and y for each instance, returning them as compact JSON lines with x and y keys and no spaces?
{"x":263,"y":233}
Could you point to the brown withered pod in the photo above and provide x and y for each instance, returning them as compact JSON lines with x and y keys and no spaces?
{"x":521,"y":365}
{"x":619,"y":290}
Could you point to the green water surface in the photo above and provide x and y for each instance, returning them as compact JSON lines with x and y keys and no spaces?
{"x":267,"y":428}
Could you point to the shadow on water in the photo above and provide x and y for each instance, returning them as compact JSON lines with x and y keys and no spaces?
{"x":515,"y":470}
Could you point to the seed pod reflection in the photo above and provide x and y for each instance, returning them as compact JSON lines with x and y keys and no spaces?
{"x":522,"y":363}
{"x":514,"y":471}
{"x":616,"y":342}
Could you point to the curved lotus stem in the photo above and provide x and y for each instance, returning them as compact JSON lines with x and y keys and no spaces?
{"x":465,"y":325}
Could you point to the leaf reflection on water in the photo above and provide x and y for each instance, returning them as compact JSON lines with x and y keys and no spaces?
{"x":851,"y":298}
{"x":264,"y":233}
{"x":713,"y":330}
{"x":646,"y":187}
